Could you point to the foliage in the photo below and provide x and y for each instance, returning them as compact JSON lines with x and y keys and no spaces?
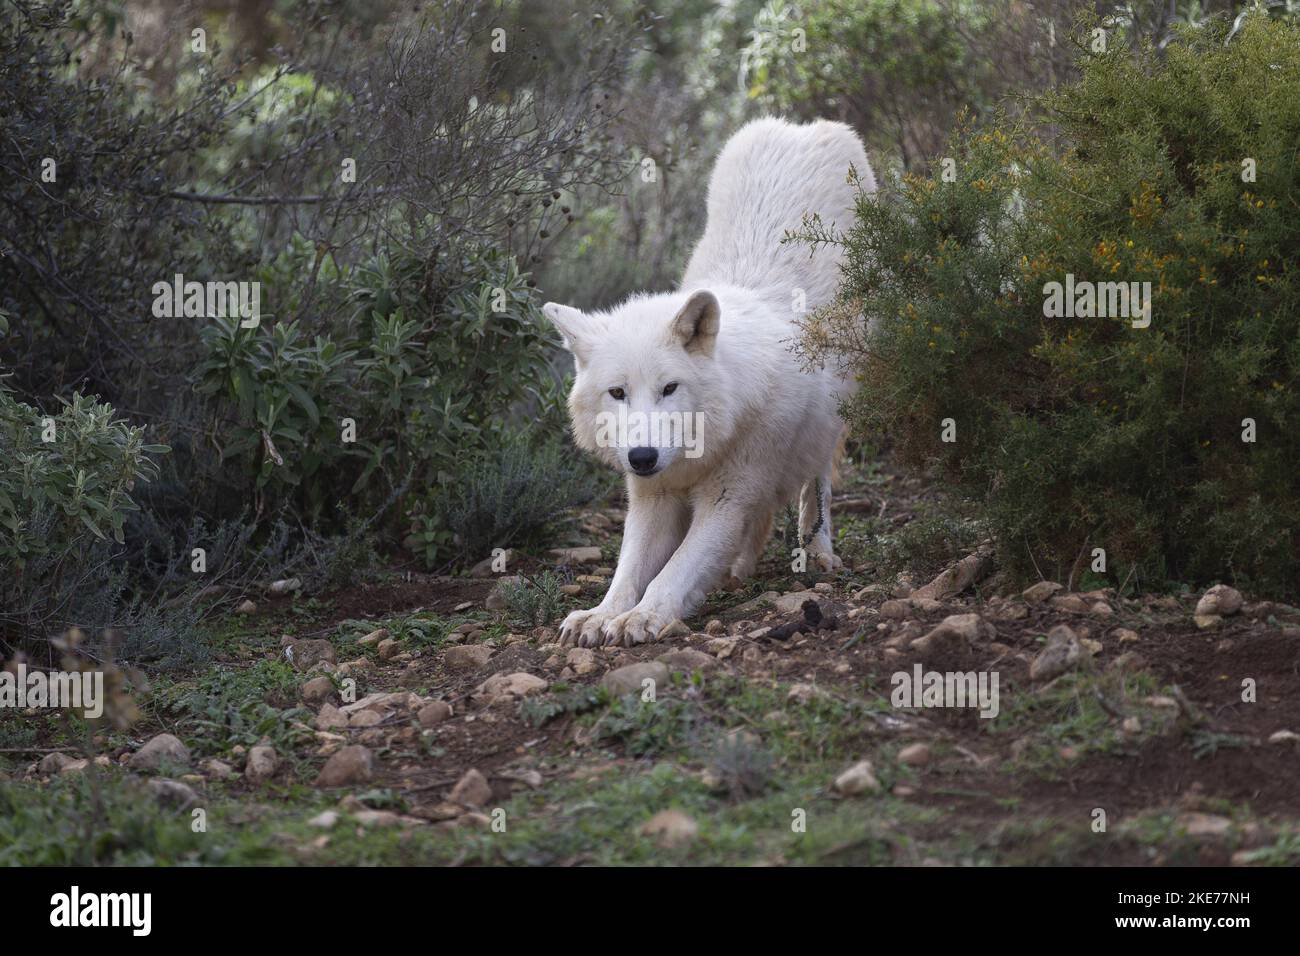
{"x":1082,"y":432}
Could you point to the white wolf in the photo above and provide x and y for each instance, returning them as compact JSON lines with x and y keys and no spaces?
{"x":718,"y":352}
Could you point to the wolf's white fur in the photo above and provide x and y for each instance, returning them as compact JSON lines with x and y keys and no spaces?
{"x":769,"y":430}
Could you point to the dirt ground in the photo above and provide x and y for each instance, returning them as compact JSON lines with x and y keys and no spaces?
{"x":450,"y":732}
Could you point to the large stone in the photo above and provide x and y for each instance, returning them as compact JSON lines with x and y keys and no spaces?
{"x":628,"y":680}
{"x":1221,"y":600}
{"x":162,"y":749}
{"x":350,"y":765}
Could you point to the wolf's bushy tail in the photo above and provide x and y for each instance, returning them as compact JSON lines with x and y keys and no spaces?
{"x":768,"y":177}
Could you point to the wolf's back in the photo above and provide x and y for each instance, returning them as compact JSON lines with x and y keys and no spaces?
{"x":768,"y":176}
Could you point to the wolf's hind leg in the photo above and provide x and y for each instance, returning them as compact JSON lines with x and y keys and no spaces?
{"x":815,"y":521}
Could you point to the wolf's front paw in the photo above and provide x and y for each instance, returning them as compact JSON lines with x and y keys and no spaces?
{"x":582,"y":628}
{"x":637,"y":626}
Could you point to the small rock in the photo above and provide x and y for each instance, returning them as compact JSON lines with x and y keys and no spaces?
{"x":1204,"y":825}
{"x":1283,"y":737}
{"x":330,"y":718}
{"x":898,"y":610}
{"x":317,"y":690}
{"x":324,"y":820}
{"x":173,"y":793}
{"x":1207,"y":622}
{"x":1040,"y":592}
{"x":262,"y":764}
{"x":471,"y":790}
{"x":246,"y":608}
{"x":860,"y":778}
{"x":628,"y":679}
{"x":304,"y":655}
{"x":374,"y":637}
{"x":670,"y":829}
{"x":954,"y":634}
{"x":721,"y":647}
{"x":688,"y":659}
{"x":466,"y":657}
{"x":1128,"y":661}
{"x":352,"y":764}
{"x":676,"y":628}
{"x":284,"y":587}
{"x":496,"y":599}
{"x":715,"y":627}
{"x":1125,"y":636}
{"x":218,"y":769}
{"x":388,"y":648}
{"x":431,"y":715}
{"x":163,"y":748}
{"x":915,"y":755}
{"x":804,"y":694}
{"x":1062,"y":653}
{"x":1069,"y":602}
{"x":519,"y":684}
{"x":54,"y":763}
{"x":585,"y":555}
{"x":484,"y":568}
{"x":792,"y":603}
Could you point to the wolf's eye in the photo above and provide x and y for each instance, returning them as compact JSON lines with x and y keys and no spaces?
{"x":617,"y":393}
{"x":670,"y":388}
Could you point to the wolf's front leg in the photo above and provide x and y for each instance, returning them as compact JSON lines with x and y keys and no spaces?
{"x":654,"y":527}
{"x":716,"y":535}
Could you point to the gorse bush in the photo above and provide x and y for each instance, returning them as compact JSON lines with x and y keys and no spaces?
{"x":1176,"y":169}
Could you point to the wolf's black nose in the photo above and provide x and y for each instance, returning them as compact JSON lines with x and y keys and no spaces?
{"x":642,"y":460}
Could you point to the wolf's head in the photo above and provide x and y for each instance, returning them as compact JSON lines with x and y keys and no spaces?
{"x":646,"y":392}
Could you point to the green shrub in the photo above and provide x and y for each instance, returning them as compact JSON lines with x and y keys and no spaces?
{"x":66,"y":483}
{"x":509,"y":494}
{"x":534,"y":601}
{"x":1084,"y":433}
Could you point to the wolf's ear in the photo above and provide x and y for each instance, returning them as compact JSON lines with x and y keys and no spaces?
{"x":575,"y":328}
{"x":696,"y":325}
